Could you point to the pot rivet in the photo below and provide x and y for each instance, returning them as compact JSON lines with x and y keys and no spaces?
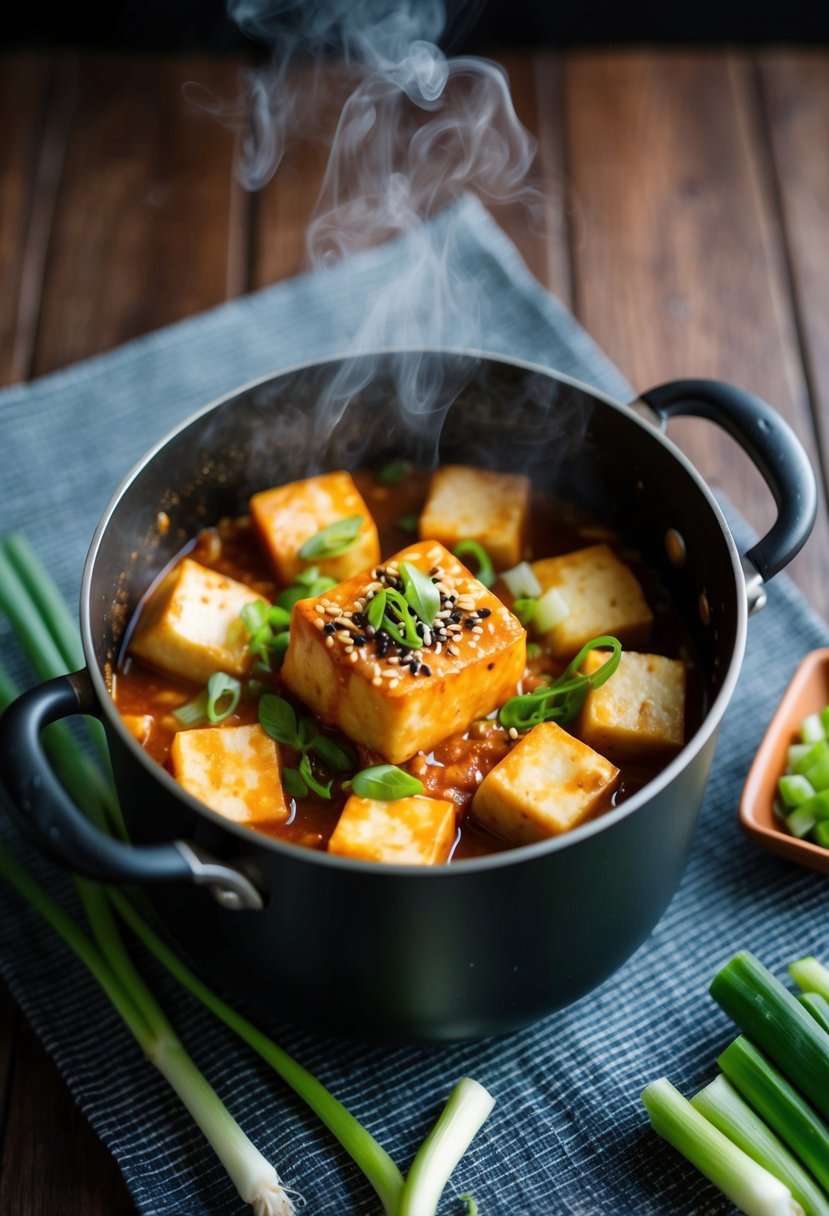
{"x":704,"y":609}
{"x":675,"y":547}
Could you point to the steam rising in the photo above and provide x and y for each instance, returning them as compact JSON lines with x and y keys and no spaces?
{"x":417,"y":131}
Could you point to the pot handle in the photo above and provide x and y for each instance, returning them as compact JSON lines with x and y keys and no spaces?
{"x":773,"y":447}
{"x":45,"y":813}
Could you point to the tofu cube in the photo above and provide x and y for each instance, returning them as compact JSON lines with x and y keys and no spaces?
{"x":639,"y":711}
{"x":602,"y":596}
{"x":185,"y":627}
{"x":377,"y":700}
{"x":548,"y":784}
{"x":410,"y":831}
{"x":288,"y":516}
{"x":477,"y":504}
{"x":235,"y":770}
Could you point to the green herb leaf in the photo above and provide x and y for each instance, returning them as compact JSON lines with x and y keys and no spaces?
{"x":376,"y":609}
{"x":408,"y":523}
{"x":277,"y":719}
{"x":393,"y":473}
{"x":293,"y":783}
{"x":486,"y":571}
{"x":254,"y":616}
{"x":307,"y":775}
{"x":421,"y":593}
{"x":223,"y":695}
{"x":561,"y":700}
{"x":193,"y":712}
{"x":386,"y":783}
{"x":524,"y":609}
{"x":337,"y":538}
{"x":332,"y":755}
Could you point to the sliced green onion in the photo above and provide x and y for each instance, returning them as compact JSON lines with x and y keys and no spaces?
{"x":562,"y":699}
{"x":801,"y":822}
{"x":393,"y":473}
{"x":817,"y":1006}
{"x":293,"y":783}
{"x":779,"y":1104}
{"x":334,"y":540}
{"x":524,"y":609}
{"x":795,"y":789}
{"x":522,"y":582}
{"x":795,"y":753}
{"x":460,"y":1121}
{"x":254,"y":615}
{"x":421,"y":593}
{"x":223,"y":695}
{"x":777,"y":1023}
{"x":812,"y":753}
{"x":484,"y":569}
{"x":751,"y":1187}
{"x":820,"y":833}
{"x":550,"y":610}
{"x":193,"y":712}
{"x":307,"y":585}
{"x":811,"y":729}
{"x":278,"y":719}
{"x":408,"y":523}
{"x":385,"y":783}
{"x":818,"y":772}
{"x":307,"y":775}
{"x":723,"y":1106}
{"x":810,"y":975}
{"x":376,"y":610}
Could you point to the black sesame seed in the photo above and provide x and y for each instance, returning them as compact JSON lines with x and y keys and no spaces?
{"x":359,"y":639}
{"x":360,"y":619}
{"x":483,"y":613}
{"x":329,"y":628}
{"x":455,"y":618}
{"x":415,"y":667}
{"x":470,"y":622}
{"x":424,"y":670}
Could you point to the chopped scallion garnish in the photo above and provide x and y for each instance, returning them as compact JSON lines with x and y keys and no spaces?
{"x":223,"y":695}
{"x":484,"y":569}
{"x":521,"y":582}
{"x":562,"y":699}
{"x":193,"y":712}
{"x":524,"y":608}
{"x":550,"y":610}
{"x":334,"y":540}
{"x":393,"y":473}
{"x":421,"y":593}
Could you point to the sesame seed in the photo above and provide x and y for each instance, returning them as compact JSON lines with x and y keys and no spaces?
{"x":513,"y":733}
{"x":424,"y":670}
{"x":389,"y":673}
{"x":332,"y":609}
{"x":393,"y":684}
{"x":329,"y":641}
{"x":377,"y":681}
{"x":483,"y":613}
{"x":320,"y":623}
{"x":477,"y":629}
{"x":393,"y":659}
{"x":438,"y":647}
{"x":319,"y":608}
{"x":349,"y":650}
{"x":354,"y":656}
{"x":453,"y":650}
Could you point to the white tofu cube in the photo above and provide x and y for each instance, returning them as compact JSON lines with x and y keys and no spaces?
{"x":548,"y":784}
{"x":602,"y":596}
{"x":476,"y":504}
{"x":378,"y":700}
{"x":185,"y":627}
{"x":235,"y":770}
{"x":410,"y":831}
{"x":288,"y":516}
{"x":639,"y":711}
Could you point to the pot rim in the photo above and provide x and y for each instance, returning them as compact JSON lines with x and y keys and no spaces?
{"x":470,"y":866}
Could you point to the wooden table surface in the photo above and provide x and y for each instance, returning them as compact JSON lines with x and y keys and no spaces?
{"x":686,"y":225}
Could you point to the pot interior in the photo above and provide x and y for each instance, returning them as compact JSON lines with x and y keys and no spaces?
{"x":425,"y":407}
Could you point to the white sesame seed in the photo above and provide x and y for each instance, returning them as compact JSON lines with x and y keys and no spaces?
{"x":513,"y":733}
{"x":329,"y":641}
{"x":389,"y":673}
{"x":319,"y":608}
{"x":332,"y":609}
{"x":377,"y":681}
{"x":349,"y":650}
{"x":320,"y":623}
{"x":476,"y":629}
{"x":427,"y":638}
{"x":393,"y":660}
{"x":354,"y":656}
{"x":393,"y":684}
{"x":453,"y":650}
{"x":438,"y":647}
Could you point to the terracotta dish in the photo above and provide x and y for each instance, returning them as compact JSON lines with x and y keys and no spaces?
{"x":807,"y":693}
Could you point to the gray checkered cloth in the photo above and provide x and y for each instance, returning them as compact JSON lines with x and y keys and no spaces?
{"x":568,"y":1134}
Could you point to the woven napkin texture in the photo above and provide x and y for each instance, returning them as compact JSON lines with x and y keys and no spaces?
{"x":568,"y":1134}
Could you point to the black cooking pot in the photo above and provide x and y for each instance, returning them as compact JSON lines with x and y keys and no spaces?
{"x":451,"y":952}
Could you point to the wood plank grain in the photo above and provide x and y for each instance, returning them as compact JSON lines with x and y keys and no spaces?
{"x":51,"y":1159}
{"x":147,"y":228}
{"x":27,"y":153}
{"x":795,"y":90}
{"x":678,"y":264}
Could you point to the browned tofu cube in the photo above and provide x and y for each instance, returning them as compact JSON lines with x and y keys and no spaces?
{"x":477,"y":504}
{"x":639,"y":711}
{"x":548,"y":784}
{"x":186,"y":626}
{"x":288,"y":516}
{"x":399,"y":701}
{"x":602,"y":596}
{"x":235,"y":770}
{"x":410,"y":831}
